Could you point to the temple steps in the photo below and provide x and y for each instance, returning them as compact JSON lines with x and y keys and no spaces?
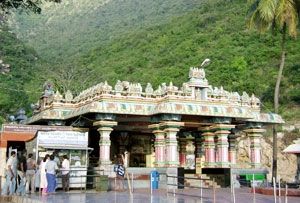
{"x":207,"y":183}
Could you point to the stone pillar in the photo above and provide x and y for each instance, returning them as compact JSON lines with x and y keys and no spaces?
{"x":105,"y":128}
{"x":159,"y":144}
{"x":171,"y":128}
{"x":232,"y":149}
{"x":3,"y":150}
{"x":199,"y":145}
{"x":182,"y":151}
{"x":221,"y":132}
{"x":209,"y":148}
{"x":255,"y":147}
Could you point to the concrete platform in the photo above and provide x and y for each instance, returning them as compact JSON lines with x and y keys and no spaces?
{"x":223,"y":195}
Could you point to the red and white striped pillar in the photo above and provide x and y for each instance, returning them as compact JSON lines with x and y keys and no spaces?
{"x":159,"y":144}
{"x":232,"y":149}
{"x":171,"y":129}
{"x":221,"y":132}
{"x":105,"y":128}
{"x":209,"y":148}
{"x":255,"y":146}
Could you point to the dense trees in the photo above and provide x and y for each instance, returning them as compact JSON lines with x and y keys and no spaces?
{"x":280,"y":16}
{"x":28,"y":5}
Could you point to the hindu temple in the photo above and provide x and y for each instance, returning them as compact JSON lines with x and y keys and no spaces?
{"x":166,"y":127}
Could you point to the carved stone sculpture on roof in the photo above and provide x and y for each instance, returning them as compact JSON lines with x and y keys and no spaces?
{"x":149,"y":90}
{"x":119,"y":88}
{"x":171,"y":89}
{"x":48,"y":89}
{"x":125,"y":85}
{"x":215,"y":93}
{"x":68,"y":96}
{"x":223,"y":94}
{"x":210,"y":91}
{"x":197,"y":77}
{"x":186,"y":89}
{"x":35,"y":107}
{"x":158,"y":92}
{"x":254,"y":101}
{"x":135,"y":89}
{"x":57,"y":96}
{"x":106,"y":88}
{"x":163,"y":88}
{"x":235,"y":98}
{"x":197,"y":73}
{"x":99,"y":88}
{"x":245,"y":99}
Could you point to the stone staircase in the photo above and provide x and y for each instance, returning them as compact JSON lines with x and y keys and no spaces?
{"x":193,"y":180}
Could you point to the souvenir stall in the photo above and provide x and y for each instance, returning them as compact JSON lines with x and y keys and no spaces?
{"x":74,"y":144}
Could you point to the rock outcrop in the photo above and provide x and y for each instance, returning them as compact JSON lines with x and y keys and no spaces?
{"x":287,"y":163}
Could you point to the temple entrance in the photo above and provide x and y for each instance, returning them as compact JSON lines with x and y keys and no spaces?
{"x":138,"y":148}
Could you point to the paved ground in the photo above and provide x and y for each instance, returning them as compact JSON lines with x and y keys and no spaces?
{"x":160,"y":196}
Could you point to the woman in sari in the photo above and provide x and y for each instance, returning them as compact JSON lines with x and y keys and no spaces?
{"x":43,"y":179}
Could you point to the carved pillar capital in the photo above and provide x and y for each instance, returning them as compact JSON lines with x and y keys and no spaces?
{"x":105,"y":124}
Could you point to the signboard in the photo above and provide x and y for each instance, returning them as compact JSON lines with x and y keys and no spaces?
{"x":61,"y":138}
{"x":32,"y":128}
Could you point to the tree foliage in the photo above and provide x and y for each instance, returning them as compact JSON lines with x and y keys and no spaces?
{"x":29,"y":5}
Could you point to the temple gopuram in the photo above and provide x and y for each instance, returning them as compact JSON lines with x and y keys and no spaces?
{"x":167,"y":127}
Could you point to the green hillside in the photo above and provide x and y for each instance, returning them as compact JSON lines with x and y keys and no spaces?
{"x":81,"y":44}
{"x":13,"y":84}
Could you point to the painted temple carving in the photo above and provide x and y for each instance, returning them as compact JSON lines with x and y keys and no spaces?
{"x":179,"y":123}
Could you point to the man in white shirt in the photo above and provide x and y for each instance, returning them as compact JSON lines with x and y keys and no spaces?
{"x":11,"y":174}
{"x":51,"y":168}
{"x":65,"y":171}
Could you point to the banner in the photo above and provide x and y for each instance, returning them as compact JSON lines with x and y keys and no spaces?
{"x":73,"y":138}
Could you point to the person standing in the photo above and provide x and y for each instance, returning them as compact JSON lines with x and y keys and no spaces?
{"x":65,"y":166}
{"x":11,"y":174}
{"x":120,"y":172}
{"x":30,"y":174}
{"x":51,"y":168}
{"x":43,"y":179}
{"x":56,"y":158}
{"x":21,"y":179}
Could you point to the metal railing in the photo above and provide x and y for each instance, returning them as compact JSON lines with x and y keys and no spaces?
{"x":181,"y":185}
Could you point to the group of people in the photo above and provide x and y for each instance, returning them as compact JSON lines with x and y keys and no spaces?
{"x":48,"y":171}
{"x":21,"y":173}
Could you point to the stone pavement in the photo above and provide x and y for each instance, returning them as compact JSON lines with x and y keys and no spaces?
{"x":143,"y":196}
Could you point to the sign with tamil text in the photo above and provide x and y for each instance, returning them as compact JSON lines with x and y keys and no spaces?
{"x":61,"y":138}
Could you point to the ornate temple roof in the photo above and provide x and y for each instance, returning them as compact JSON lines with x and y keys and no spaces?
{"x":195,"y":97}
